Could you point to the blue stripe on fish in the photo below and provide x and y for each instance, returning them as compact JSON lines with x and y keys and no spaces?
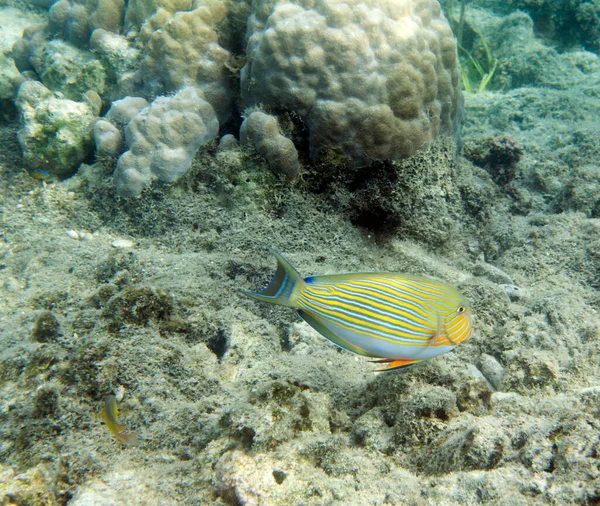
{"x":399,"y":318}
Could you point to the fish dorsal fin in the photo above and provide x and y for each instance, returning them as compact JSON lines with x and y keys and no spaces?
{"x":361,"y":276}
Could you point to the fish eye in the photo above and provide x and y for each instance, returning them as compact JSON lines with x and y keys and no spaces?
{"x":461,"y":309}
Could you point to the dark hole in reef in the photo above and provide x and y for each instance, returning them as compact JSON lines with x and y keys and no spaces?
{"x":496,"y":456}
{"x":284,"y":339}
{"x":382,"y":175}
{"x":377,"y":219}
{"x":218,"y":343}
{"x":232,"y":125}
{"x":9,"y":111}
{"x":550,"y":468}
{"x":371,"y":206}
{"x":279,"y":476}
{"x":246,"y":435}
{"x":595,"y":213}
{"x":304,"y":411}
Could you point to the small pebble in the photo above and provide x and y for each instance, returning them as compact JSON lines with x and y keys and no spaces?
{"x":492,"y":370}
{"x":122,"y":243}
{"x":514,"y":292}
{"x":73,"y":234}
{"x":86,"y":236}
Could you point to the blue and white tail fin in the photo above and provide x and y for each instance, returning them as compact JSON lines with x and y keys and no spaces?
{"x":283,"y":288}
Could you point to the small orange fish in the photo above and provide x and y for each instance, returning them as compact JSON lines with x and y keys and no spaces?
{"x":109,"y":415}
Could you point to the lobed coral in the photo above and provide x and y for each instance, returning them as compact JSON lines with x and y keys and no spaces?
{"x":376,"y":80}
{"x":163,"y":139}
{"x":184,"y":51}
{"x":369,"y":79}
{"x":262,"y":132}
{"x":75,"y":20}
{"x":108,"y":132}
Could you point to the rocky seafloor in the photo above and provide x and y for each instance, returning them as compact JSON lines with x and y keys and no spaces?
{"x":237,"y":403}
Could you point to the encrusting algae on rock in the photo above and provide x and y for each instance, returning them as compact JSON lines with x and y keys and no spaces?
{"x":398,"y":318}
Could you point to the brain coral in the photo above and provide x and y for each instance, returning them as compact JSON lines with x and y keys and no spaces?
{"x":162,"y":140}
{"x":377,"y":79}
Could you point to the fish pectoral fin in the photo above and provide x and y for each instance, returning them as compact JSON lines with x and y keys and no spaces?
{"x":392,"y":364}
{"x":329,"y":334}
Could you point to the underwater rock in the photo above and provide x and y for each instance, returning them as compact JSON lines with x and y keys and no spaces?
{"x":120,"y":59}
{"x":14,"y":23}
{"x":423,"y":415}
{"x":527,"y":369}
{"x":46,"y":402}
{"x":35,"y":486}
{"x":492,"y":370}
{"x":46,"y":328}
{"x":138,"y":306}
{"x":371,"y":431}
{"x":568,"y":23}
{"x":28,"y":51}
{"x":162,"y":140}
{"x":375,"y":81}
{"x":56,"y":133}
{"x":421,"y":197}
{"x":227,"y":143}
{"x":10,"y":78}
{"x":499,"y":156}
{"x":71,"y":71}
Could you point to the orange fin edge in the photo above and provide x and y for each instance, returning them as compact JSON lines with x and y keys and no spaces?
{"x":392,"y":364}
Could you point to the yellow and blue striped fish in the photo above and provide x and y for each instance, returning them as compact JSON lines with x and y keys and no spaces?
{"x":398,"y":318}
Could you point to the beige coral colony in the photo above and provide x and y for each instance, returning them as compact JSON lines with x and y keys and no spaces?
{"x":432,"y":167}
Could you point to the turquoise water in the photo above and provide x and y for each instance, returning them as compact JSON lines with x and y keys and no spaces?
{"x":152,"y":151}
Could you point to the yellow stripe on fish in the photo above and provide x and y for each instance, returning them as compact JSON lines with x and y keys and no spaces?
{"x":399,"y":318}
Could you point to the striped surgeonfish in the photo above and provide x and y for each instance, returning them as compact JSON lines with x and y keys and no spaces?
{"x":397,"y":318}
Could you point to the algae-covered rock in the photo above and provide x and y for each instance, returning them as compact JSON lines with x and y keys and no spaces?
{"x":71,"y":71}
{"x":421,"y":197}
{"x":10,"y":78}
{"x":139,"y":306}
{"x":46,"y":328}
{"x":120,"y":59}
{"x":56,"y":133}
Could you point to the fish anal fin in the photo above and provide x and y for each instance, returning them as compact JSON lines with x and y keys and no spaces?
{"x":329,"y":334}
{"x":392,"y":364}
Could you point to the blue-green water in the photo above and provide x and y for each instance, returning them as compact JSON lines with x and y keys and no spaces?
{"x":150,"y":151}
